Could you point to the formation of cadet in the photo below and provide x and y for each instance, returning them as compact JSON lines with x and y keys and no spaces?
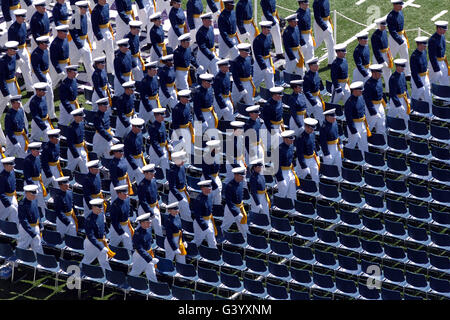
{"x":157,"y":100}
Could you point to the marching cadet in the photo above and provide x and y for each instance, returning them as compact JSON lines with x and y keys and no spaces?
{"x":287,"y":180}
{"x":183,"y":58}
{"x":194,"y":9}
{"x":134,"y":150}
{"x":80,"y":46}
{"x":100,"y":82}
{"x":59,"y":54}
{"x":32,"y":171}
{"x":66,"y":222}
{"x":121,"y":230}
{"x":329,"y":140}
{"x":51,"y":166}
{"x":253,"y":140}
{"x":245,"y":22}
{"x":148,"y":91}
{"x":95,"y":244}
{"x":438,"y":65}
{"x":176,"y":175}
{"x":297,"y":107}
{"x":68,"y":92}
{"x":307,"y":40}
{"x":123,"y":64}
{"x":270,"y":13}
{"x":126,"y":14}
{"x":143,"y":257}
{"x":308,"y":161}
{"x":145,"y":9}
{"x":8,"y":196}
{"x":167,"y":76}
{"x":174,"y":245}
{"x":339,"y":75}
{"x":211,"y":167}
{"x":118,"y":171}
{"x":78,"y":154}
{"x":16,"y":130}
{"x":399,"y":106}
{"x":103,"y":137}
{"x":323,"y":27}
{"x":375,"y":104}
{"x":398,"y":40}
{"x":222,"y":91}
{"x":204,"y":225}
{"x":237,"y":158}
{"x":312,"y":86}
{"x":361,"y":56}
{"x":264,"y":69}
{"x":260,"y":199}
{"x":242,"y":71}
{"x":8,"y":82}
{"x":133,"y":41}
{"x":234,"y":208}
{"x":39,"y":23}
{"x":40,"y":121}
{"x":228,"y":39}
{"x":8,"y":8}
{"x":182,"y":126}
{"x":203,"y":100}
{"x":355,"y":116}
{"x":125,"y":109}
{"x":18,"y":32}
{"x":420,"y":84}
{"x":381,"y":51}
{"x":28,"y":6}
{"x":206,"y":55}
{"x":40,"y":63}
{"x":61,"y":13}
{"x":29,"y":219}
{"x":295,"y":61}
{"x":148,"y":198}
{"x":103,"y":32}
{"x":177,"y":22}
{"x":214,"y":7}
{"x":156,"y":38}
{"x":92,"y":186}
{"x":159,"y":149}
{"x":272,"y":113}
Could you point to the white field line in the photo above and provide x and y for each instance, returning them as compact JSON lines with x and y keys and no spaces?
{"x":440,"y":14}
{"x":360,"y":2}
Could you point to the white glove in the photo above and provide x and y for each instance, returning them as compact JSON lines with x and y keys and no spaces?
{"x":327,"y":158}
{"x":155,"y":261}
{"x":204,"y":126}
{"x":53,"y":180}
{"x":306,"y":171}
{"x":268,"y":71}
{"x":140,"y":170}
{"x":200,"y":69}
{"x":421,"y":91}
{"x":385,"y":65}
{"x":318,"y":105}
{"x":329,"y":29}
{"x":62,"y":75}
{"x":78,"y":158}
{"x":125,"y":236}
{"x":357,"y":135}
{"x":170,"y":147}
{"x":115,"y":140}
{"x":8,"y":97}
{"x":246,"y":35}
{"x":185,"y":244}
{"x":243,"y":92}
{"x":177,"y":251}
{"x":260,"y":207}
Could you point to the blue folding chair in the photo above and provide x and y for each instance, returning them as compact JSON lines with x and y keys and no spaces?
{"x":395,"y":229}
{"x":305,"y":231}
{"x":207,"y":276}
{"x":440,"y":175}
{"x":350,"y":242}
{"x":327,"y":213}
{"x":230,"y":282}
{"x":354,"y":156}
{"x":281,"y":226}
{"x":419,"y":191}
{"x":117,"y":279}
{"x":301,"y":277}
{"x":324,"y":282}
{"x":440,"y":240}
{"x":352,"y":176}
{"x":350,"y":219}
{"x":368,"y":294}
{"x":375,"y":161}
{"x":440,"y":263}
{"x":440,"y":113}
{"x":348,"y":265}
{"x":396,"y":208}
{"x":328,"y":237}
{"x":138,"y":285}
{"x":198,"y":295}
{"x":440,"y":196}
{"x":257,"y":243}
{"x":210,"y":255}
{"x":372,"y":248}
{"x":233,"y":260}
{"x":418,"y":129}
{"x":309,"y":187}
{"x":186,"y":271}
{"x":326,"y":260}
{"x":397,"y":187}
{"x":441,"y":154}
{"x":254,"y":288}
{"x":440,"y":218}
{"x":396,"y":125}
{"x":439,"y":286}
{"x":280,"y":248}
{"x":387,"y":294}
{"x":374,"y":201}
{"x":234,"y":238}
{"x":418,"y":235}
{"x":397,"y":165}
{"x":9,"y":229}
{"x":395,"y":253}
{"x":329,"y":171}
{"x":279,"y":271}
{"x":303,"y":254}
{"x":298,"y":295}
{"x":94,"y":274}
{"x":48,"y":263}
{"x":166,"y":267}
{"x":352,"y":198}
{"x":440,"y":134}
{"x":259,"y":220}
{"x":420,"y":108}
{"x":277,"y":292}
{"x":420,"y":149}
{"x":373,"y":225}
{"x":375,"y":181}
{"x":416,"y":281}
{"x":306,"y":209}
{"x":180,"y":293}
{"x":419,"y":213}
{"x":256,"y":265}
{"x":397,"y":144}
{"x":418,"y":258}
{"x":346,"y":287}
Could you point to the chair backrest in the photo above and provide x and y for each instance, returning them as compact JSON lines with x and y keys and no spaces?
{"x":418,"y":147}
{"x":280,"y":224}
{"x":203,"y":295}
{"x":442,"y":91}
{"x":354,"y":155}
{"x":441,"y":195}
{"x":329,"y":170}
{"x":397,"y":164}
{"x":394,"y":251}
{"x":418,"y":191}
{"x":418,"y":234}
{"x":374,"y":159}
{"x":440,"y":153}
{"x":420,"y":106}
{"x":165,"y":265}
{"x":440,"y":285}
{"x":372,"y":294}
{"x":6,"y":250}
{"x":396,"y":186}
{"x":160,"y":288}
{"x":278,"y":270}
{"x":301,"y":275}
{"x":393,"y":274}
{"x":347,"y":286}
{"x":440,"y":112}
{"x":327,"y":236}
{"x":305,"y":208}
{"x":417,"y":127}
{"x":374,"y":199}
{"x":95,"y":272}
{"x":255,"y":264}
{"x":74,"y":242}
{"x":387,"y":294}
{"x":328,"y":190}
{"x":326,"y":212}
{"x":187,"y":270}
{"x":232,"y":258}
{"x":25,"y":255}
{"x":116,"y":277}
{"x":298,"y":295}
{"x":259,"y":219}
{"x":308,"y":186}
{"x":347,"y":262}
{"x":395,"y":206}
{"x":9,"y":227}
{"x":283,"y":203}
{"x":397,"y":143}
{"x":440,"y":239}
{"x":393,"y":227}
{"x":351,"y":175}
{"x":372,"y":247}
{"x":230,"y":280}
{"x":349,"y":217}
{"x":257,"y":242}
{"x":351,"y":196}
{"x":303,"y":253}
{"x":209,"y":253}
{"x":323,"y":280}
{"x":395,"y":123}
{"x":137,"y":283}
{"x":440,"y":217}
{"x":304,"y":229}
{"x":208,"y":275}
{"x":373,"y":224}
{"x":46,"y":261}
{"x":377,"y":139}
{"x":438,"y":132}
{"x":234,"y":237}
{"x":325,"y":258}
{"x":416,"y":279}
{"x":280,"y":247}
{"x":418,"y":211}
{"x":349,"y":241}
{"x":277,"y":292}
{"x":440,"y":174}
{"x":253,"y":286}
{"x":417,"y":256}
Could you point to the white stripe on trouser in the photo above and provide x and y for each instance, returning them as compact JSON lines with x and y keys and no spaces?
{"x":228,"y":220}
{"x":156,"y":220}
{"x":357,"y":76}
{"x":138,"y":74}
{"x":113,"y":192}
{"x":185,"y":211}
{"x":334,"y":158}
{"x":65,"y":118}
{"x":170,"y":102}
{"x":226,"y":113}
{"x":16,"y":150}
{"x":172,"y":38}
{"x":148,"y":115}
{"x":291,"y":65}
{"x":162,"y":161}
{"x":343,"y":95}
{"x":48,"y":96}
{"x":25,"y":240}
{"x":377,"y":121}
{"x":36,"y":134}
{"x":276,"y":35}
{"x":423,"y":93}
{"x":139,"y":265}
{"x":263,"y":207}
{"x":441,"y":77}
{"x":118,"y":89}
{"x":308,"y":48}
{"x":287,"y":187}
{"x":170,"y":254}
{"x":326,"y":36}
{"x":205,"y":64}
{"x":311,"y":168}
{"x":105,"y":45}
{"x":199,"y":234}
{"x":70,"y":229}
{"x":101,"y":147}
{"x":236,"y":95}
{"x":81,"y":161}
{"x":125,"y":238}
{"x":55,"y":173}
{"x":227,"y":52}
{"x":293,"y":125}
{"x":136,"y":174}
{"x":398,"y":112}
{"x":84,"y":54}
{"x":354,"y":140}
{"x":10,"y":213}
{"x":215,"y":193}
{"x":91,"y":252}
{"x":121,"y":130}
{"x":56,"y":77}
{"x":122,"y":28}
{"x":387,"y":72}
{"x":265,"y":75}
{"x":24,"y":64}
{"x":181,"y":80}
{"x":251,"y":30}
{"x":402,"y":50}
{"x":316,"y":110}
{"x":40,"y":195}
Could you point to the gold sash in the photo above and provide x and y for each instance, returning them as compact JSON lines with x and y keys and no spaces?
{"x":109,"y":253}
{"x":48,"y":119}
{"x":180,"y":242}
{"x":140,"y":156}
{"x":318,"y":94}
{"x":186,"y":193}
{"x":251,"y":81}
{"x":291,"y":167}
{"x":244,"y":213}
{"x":211,"y":109}
{"x":130,"y":188}
{"x":24,"y":135}
{"x":213,"y":222}
{"x":83,"y":144}
{"x":380,"y":101}
{"x":15,"y":82}
{"x":389,"y":56}
{"x":271,"y":62}
{"x":267,"y":196}
{"x":405,"y":97}
{"x":74,"y":217}
{"x":191,"y":129}
{"x":254,"y":26}
{"x":58,"y":165}
{"x":403,"y":32}
{"x":44,"y":191}
{"x":329,"y":19}
{"x":312,"y":36}
{"x":363,"y":119}
{"x":337,"y":142}
{"x":444,"y":58}
{"x":301,"y":60}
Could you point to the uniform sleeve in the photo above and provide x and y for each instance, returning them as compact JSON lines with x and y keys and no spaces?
{"x":171,"y":178}
{"x":235,"y":73}
{"x":9,"y":129}
{"x":59,"y":208}
{"x":258,"y":54}
{"x":90,"y":234}
{"x":63,"y":96}
{"x":143,"y":198}
{"x":300,"y":153}
{"x":102,"y":131}
{"x":24,"y":221}
{"x":358,"y":62}
{"x":415,"y":72}
{"x":96,"y":24}
{"x":318,"y":16}
{"x":154,"y":41}
{"x":169,"y":231}
{"x":202,"y":45}
{"x":27,"y":171}
{"x":222,"y":24}
{"x":240,"y":19}
{"x":87,"y":192}
{"x":392,"y":26}
{"x":115,"y":223}
{"x":198,"y":210}
{"x":368,"y":100}
{"x":432,"y":54}
{"x":229,"y":196}
{"x":212,"y":5}
{"x":35,"y":63}
{"x":267,"y":11}
{"x":307,"y":91}
{"x":35,"y":114}
{"x":292,"y":102}
{"x":287,"y":48}
{"x":137,"y":245}
{"x":154,"y":133}
{"x":198,"y":106}
{"x":74,"y":33}
{"x":349,"y":117}
{"x":335,"y":77}
{"x":120,"y":6}
{"x":70,"y":142}
{"x":54,"y":57}
{"x":5,"y":10}
{"x":121,"y":114}
{"x":173,"y":22}
{"x":3,"y":71}
{"x":254,"y":190}
{"x":3,"y":198}
{"x":376,"y":45}
{"x":44,"y":164}
{"x":190,"y":15}
{"x":393,"y":88}
{"x":127,"y":150}
{"x":218,"y":93}
{"x":323,"y":141}
{"x":96,"y":84}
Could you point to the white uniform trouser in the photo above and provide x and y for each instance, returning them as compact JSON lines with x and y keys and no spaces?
{"x":251,"y":31}
{"x":84,"y":54}
{"x":402,"y":50}
{"x":287,"y":187}
{"x":24,"y":64}
{"x":209,"y":120}
{"x":200,"y":234}
{"x":181,"y":80}
{"x":265,"y":75}
{"x":441,"y":77}
{"x":136,"y":174}
{"x":30,"y":10}
{"x":398,"y":112}
{"x":55,"y":173}
{"x":91,"y":252}
{"x":236,"y":95}
{"x":341,"y":96}
{"x":423,"y":93}
{"x":256,"y":151}
{"x":138,"y":74}
{"x":170,"y":102}
{"x":273,"y":136}
{"x":10,"y":213}
{"x":139,"y":265}
{"x":170,"y":254}
{"x":40,"y":195}
{"x":70,"y":229}
{"x":156,"y":220}
{"x":125,"y":238}
{"x":162,"y":5}
{"x":228,"y":220}
{"x":193,"y":32}
{"x":121,"y":130}
{"x":48,"y":96}
{"x":57,"y":77}
{"x":311,"y":168}
{"x":95,"y":97}
{"x":101,"y":147}
{"x":387,"y":72}
{"x":122,"y":28}
{"x":216,"y":193}
{"x":118,"y":89}
{"x":65,"y":118}
{"x":293,"y":125}
{"x":205,"y":64}
{"x":25,"y":240}
{"x":326,"y":36}
{"x":226,"y":113}
{"x":357,"y":76}
{"x":162,"y":161}
{"x":308,"y":48}
{"x":113,"y":192}
{"x":148,"y":116}
{"x":334,"y":157}
{"x":263,"y":205}
{"x":36,"y":134}
{"x":275,"y":31}
{"x":227,"y":52}
{"x":185,"y":212}
{"x":106,"y":45}
{"x":172,"y":38}
{"x":316,"y":110}
{"x":81,"y":161}
{"x":377,"y":121}
{"x":145,"y":13}
{"x":185,"y":133}
{"x":16,"y":150}
{"x":291,"y":65}
{"x":3,"y":101}
{"x":360,"y":138}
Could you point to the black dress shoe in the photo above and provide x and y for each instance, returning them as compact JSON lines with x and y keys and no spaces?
{"x":279,"y":56}
{"x":408,"y":78}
